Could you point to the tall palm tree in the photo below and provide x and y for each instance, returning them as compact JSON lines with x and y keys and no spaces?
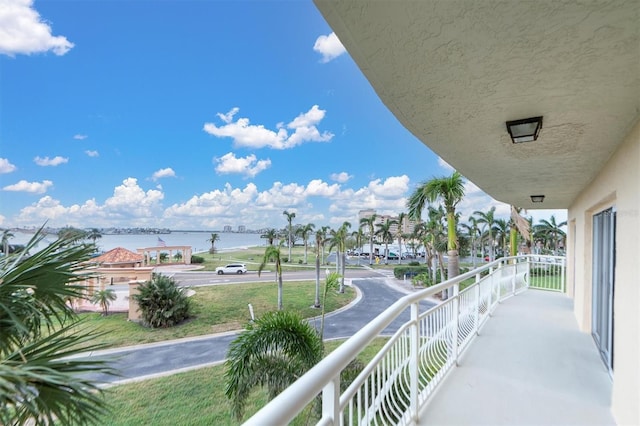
{"x":273,"y":252}
{"x":518,"y":224}
{"x":273,"y":352}
{"x":74,"y":235}
{"x":41,"y":382}
{"x":488,"y":218}
{"x":384,"y":231}
{"x":304,"y":232}
{"x":6,"y":236}
{"x":552,"y":232}
{"x":94,"y":234}
{"x":270,"y":235}
{"x":502,"y":232}
{"x":339,"y":241}
{"x":320,"y":240}
{"x":290,"y":217}
{"x":399,"y":232}
{"x":212,"y":239}
{"x":450,"y":190}
{"x":369,"y":223}
{"x":472,"y":231}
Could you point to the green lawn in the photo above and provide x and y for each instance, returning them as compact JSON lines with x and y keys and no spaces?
{"x":218,"y":309}
{"x":192,"y":398}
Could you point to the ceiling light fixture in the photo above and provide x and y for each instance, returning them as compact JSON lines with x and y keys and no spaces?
{"x":537,"y":198}
{"x":525,"y":130}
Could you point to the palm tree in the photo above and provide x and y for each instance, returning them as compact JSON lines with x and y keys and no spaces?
{"x":369,"y":222}
{"x":270,"y":235}
{"x":472,"y":232}
{"x":273,"y":352}
{"x":214,"y":237}
{"x":399,"y":234}
{"x":339,"y":240}
{"x":93,"y":234}
{"x":520,"y":225}
{"x":104,"y":299}
{"x":6,"y":236}
{"x":450,"y":190}
{"x":320,"y":239}
{"x":74,"y":235}
{"x":324,"y":232}
{"x":488,"y":219}
{"x":42,"y":382}
{"x":502,"y":231}
{"x":552,"y":232}
{"x":273,"y":252}
{"x":304,"y":232}
{"x":290,"y":217}
{"x":384,"y":231}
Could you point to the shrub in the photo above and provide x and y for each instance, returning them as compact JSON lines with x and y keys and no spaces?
{"x":162,"y":303}
{"x":414,"y":263}
{"x":422,"y":280}
{"x":197,"y":259}
{"x":409,"y":270}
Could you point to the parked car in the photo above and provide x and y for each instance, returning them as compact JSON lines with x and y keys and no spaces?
{"x":233,"y":268}
{"x":392,"y":256}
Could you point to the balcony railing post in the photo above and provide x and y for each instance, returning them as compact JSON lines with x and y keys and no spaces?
{"x":456,"y":320}
{"x":513,"y":277}
{"x":491,"y":289}
{"x":414,"y":370}
{"x":331,"y":400}
{"x":528,"y":273}
{"x":562,"y":275}
{"x":477,"y":310}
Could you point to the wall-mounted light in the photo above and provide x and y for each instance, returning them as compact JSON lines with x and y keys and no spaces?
{"x":537,"y":198}
{"x":525,"y":130}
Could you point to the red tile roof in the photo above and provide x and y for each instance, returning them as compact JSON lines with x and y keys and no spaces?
{"x":118,"y":255}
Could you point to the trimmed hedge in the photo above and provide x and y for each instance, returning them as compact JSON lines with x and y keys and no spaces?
{"x":411,"y":271}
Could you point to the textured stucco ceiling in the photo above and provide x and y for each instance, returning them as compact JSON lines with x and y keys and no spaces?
{"x":453,"y":72}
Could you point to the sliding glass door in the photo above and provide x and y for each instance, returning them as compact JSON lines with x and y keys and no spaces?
{"x":604,"y":260}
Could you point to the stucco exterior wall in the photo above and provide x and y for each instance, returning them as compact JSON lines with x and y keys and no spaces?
{"x":618,"y":185}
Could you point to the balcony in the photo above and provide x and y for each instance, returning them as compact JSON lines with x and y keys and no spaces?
{"x":501,"y":351}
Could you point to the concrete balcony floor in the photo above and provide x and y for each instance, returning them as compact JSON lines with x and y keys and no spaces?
{"x":529,"y":366}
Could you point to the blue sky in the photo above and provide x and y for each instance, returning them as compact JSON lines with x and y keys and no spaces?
{"x":195,"y":115}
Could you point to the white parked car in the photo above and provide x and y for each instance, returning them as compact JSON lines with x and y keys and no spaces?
{"x":233,"y":268}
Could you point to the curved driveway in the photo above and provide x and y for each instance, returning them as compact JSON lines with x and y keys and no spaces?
{"x":160,"y":358}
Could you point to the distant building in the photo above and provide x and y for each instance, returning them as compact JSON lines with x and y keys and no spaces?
{"x":227,"y":228}
{"x":242,"y":228}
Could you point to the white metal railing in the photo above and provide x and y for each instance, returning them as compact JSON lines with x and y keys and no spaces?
{"x":404,"y":373}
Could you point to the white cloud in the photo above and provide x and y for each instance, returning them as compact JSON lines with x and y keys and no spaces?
{"x":303,"y":129}
{"x":46,"y":161}
{"x":341,"y":177}
{"x":321,"y":189}
{"x":80,"y":137}
{"x":249,"y":166}
{"x":32,"y":187}
{"x":329,"y":47}
{"x":131,"y":199}
{"x":163,"y":173}
{"x":91,"y":153}
{"x":22,"y":31}
{"x":6,"y":166}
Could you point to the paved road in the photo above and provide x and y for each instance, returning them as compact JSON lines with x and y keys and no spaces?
{"x":158,"y":358}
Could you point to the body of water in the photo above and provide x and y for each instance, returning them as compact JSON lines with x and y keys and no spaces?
{"x":197,"y":240}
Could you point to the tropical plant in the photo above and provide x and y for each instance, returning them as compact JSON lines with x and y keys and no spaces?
{"x":472,"y":232}
{"x":402,"y":217}
{"x":270,"y":235}
{"x":304,"y":232}
{"x":162,"y":302}
{"x":502,"y":232}
{"x":551,"y":232}
{"x":488,"y":218}
{"x":93,"y":234}
{"x":272,"y":253}
{"x":104,"y":299}
{"x":43,"y":380}
{"x":71,"y":234}
{"x":212,"y":239}
{"x":6,"y":236}
{"x":320,"y":239}
{"x":338,"y":240}
{"x":369,"y":223}
{"x":164,"y":256}
{"x":272,"y":352}
{"x":290,"y":217}
{"x":384,"y":231}
{"x":331,"y":283}
{"x":450,"y":190}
